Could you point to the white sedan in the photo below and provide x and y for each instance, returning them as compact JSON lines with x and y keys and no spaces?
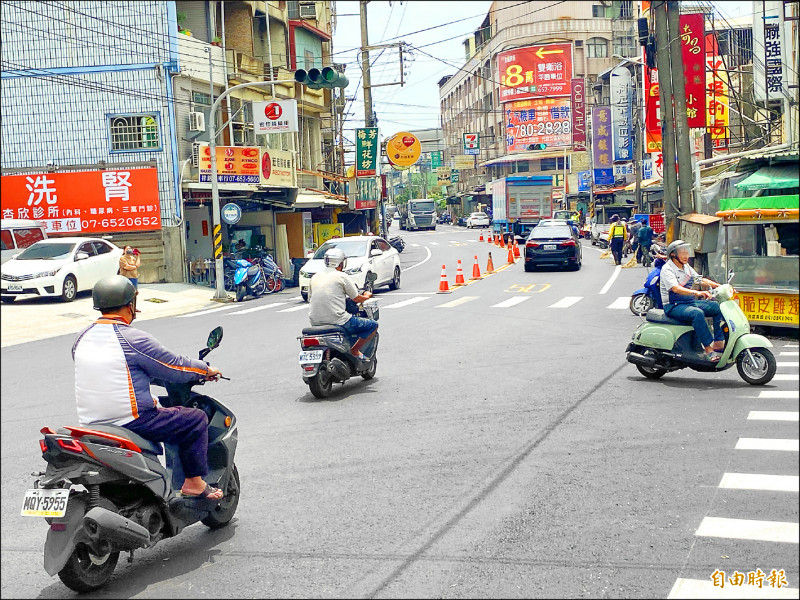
{"x":365,"y":254}
{"x":59,"y":267}
{"x":477,"y":219}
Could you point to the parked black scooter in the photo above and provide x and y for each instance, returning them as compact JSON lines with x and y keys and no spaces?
{"x":325,"y":356}
{"x":105,"y":491}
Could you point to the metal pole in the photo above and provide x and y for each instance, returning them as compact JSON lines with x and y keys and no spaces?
{"x":369,"y":120}
{"x":679,"y":96}
{"x":671,"y":210}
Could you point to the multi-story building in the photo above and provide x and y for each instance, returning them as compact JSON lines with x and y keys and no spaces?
{"x":98,"y":89}
{"x":470,"y":100}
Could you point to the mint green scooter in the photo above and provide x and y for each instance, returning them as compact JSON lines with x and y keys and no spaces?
{"x":661,"y":344}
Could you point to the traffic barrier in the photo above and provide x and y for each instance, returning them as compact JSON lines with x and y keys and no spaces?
{"x":516,"y":249}
{"x":459,"y":275}
{"x":490,"y":265}
{"x":476,"y":270}
{"x":443,"y":287}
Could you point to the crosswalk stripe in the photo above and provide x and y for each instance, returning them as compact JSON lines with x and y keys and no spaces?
{"x":790,"y":345}
{"x":453,"y":303}
{"x":262,"y":307}
{"x":789,"y":353}
{"x":686,"y":589}
{"x":406,"y":302}
{"x":621,"y":302}
{"x":566,"y":302}
{"x":745,"y":529}
{"x":511,"y":302}
{"x":415,"y":245}
{"x":776,"y":394}
{"x":208,"y":312}
{"x":773,"y":415}
{"x":784,"y":445}
{"x":786,"y":377}
{"x":760,"y":481}
{"x":789,"y":365}
{"x":434,"y":243}
{"x":296,"y":308}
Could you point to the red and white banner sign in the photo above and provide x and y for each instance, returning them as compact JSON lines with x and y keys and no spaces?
{"x":538,"y":121}
{"x":535,"y":72}
{"x":717,"y":95}
{"x":578,"y":98}
{"x":694,"y":67}
{"x":83,"y":202}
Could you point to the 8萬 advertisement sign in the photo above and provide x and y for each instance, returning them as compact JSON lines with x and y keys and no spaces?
{"x":538,"y":121}
{"x":82,"y":202}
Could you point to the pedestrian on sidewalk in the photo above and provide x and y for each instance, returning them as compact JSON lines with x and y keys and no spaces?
{"x":129,"y":264}
{"x":633,"y":235}
{"x":617,"y":235}
{"x":645,"y":239}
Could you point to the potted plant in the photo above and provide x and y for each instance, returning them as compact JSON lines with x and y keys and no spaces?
{"x":181,"y":17}
{"x":217,"y":41}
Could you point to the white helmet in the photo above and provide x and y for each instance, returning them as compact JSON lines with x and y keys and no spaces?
{"x":334,"y":257}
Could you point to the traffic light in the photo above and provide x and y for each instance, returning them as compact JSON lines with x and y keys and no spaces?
{"x":315,"y":79}
{"x":536,"y":146}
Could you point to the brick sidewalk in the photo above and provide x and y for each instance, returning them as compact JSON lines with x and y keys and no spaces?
{"x":32,"y":318}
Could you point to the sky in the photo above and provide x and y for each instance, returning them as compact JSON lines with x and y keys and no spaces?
{"x":416,"y":104}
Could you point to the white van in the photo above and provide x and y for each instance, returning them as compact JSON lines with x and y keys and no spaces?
{"x":18,"y":234}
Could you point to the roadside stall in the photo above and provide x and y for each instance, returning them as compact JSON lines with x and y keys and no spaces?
{"x":761,"y":247}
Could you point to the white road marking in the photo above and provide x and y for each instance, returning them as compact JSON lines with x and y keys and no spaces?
{"x":426,"y":259}
{"x":759,"y":481}
{"x":745,"y":529}
{"x":249,"y":310}
{"x":208,"y":312}
{"x":621,"y":302}
{"x":705,"y":588}
{"x":791,"y":345}
{"x":406,"y":302}
{"x":788,"y":354}
{"x":784,"y":445}
{"x":511,"y":301}
{"x":611,"y":279}
{"x":566,"y":302}
{"x":776,"y":394}
{"x":773,"y":415}
{"x":296,"y":308}
{"x":791,"y":365}
{"x":786,"y":377}
{"x":434,"y":243}
{"x":453,"y":303}
{"x":415,"y":245}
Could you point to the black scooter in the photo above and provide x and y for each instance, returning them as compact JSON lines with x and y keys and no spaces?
{"x":325,"y":356}
{"x":105,"y":491}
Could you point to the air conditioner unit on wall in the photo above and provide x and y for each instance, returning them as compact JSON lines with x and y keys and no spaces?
{"x":308,"y":10}
{"x":197,"y":121}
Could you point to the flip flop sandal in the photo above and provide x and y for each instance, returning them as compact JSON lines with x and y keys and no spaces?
{"x":713,"y":356}
{"x":204,"y":494}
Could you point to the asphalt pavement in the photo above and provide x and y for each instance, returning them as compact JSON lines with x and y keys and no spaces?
{"x":505,"y":449}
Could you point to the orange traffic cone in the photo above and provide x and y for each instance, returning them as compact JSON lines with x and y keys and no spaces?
{"x":490,"y":265}
{"x":480,"y":240}
{"x":443,"y":287}
{"x":459,"y":275}
{"x":497,"y":241}
{"x":510,"y":253}
{"x":516,"y":249}
{"x":503,"y":241}
{"x":476,"y":270}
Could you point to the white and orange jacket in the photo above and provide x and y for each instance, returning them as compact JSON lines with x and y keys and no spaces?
{"x":114,"y":364}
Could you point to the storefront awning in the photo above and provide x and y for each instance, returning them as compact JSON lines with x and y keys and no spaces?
{"x":314,"y":201}
{"x":510,"y":158}
{"x":774,"y":177}
{"x":645,"y":184}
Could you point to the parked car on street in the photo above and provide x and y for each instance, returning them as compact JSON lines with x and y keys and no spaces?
{"x":477,"y":219}
{"x":462,"y":221}
{"x":554,"y":245}
{"x":59,"y":267}
{"x":18,"y":234}
{"x":365,"y":254}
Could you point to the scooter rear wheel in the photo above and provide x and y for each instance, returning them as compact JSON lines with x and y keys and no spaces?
{"x":640,"y":304}
{"x":651,"y":373}
{"x":224,"y":511}
{"x":762,"y":372}
{"x":321,"y":384}
{"x":85,"y":572}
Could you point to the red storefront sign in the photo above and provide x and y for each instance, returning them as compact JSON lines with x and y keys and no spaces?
{"x":694,"y":67}
{"x":717,"y":94}
{"x":84,"y":202}
{"x":578,"y":99}
{"x":535,"y":71}
{"x":537,"y":121}
{"x":652,"y":110}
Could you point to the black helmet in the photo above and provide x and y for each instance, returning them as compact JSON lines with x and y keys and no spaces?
{"x":614,"y":218}
{"x":113,"y":292}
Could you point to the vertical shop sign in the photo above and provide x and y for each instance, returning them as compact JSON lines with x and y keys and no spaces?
{"x":578,"y":99}
{"x":367,"y":146}
{"x":368,"y":193}
{"x":621,"y":113}
{"x":652,"y":111}
{"x":694,"y":67}
{"x":602,"y":156}
{"x":717,"y":95}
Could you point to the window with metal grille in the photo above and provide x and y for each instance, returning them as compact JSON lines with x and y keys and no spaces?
{"x":134,"y":132}
{"x":596,"y":47}
{"x":293,"y":9}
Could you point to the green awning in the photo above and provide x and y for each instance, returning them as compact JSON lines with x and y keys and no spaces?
{"x":771,"y":178}
{"x":760,"y":202}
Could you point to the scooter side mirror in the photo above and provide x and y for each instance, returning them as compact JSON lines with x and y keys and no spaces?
{"x":372,"y":276}
{"x":214,"y":338}
{"x":730,"y":275}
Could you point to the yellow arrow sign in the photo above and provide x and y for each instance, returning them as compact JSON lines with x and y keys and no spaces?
{"x":541,"y":52}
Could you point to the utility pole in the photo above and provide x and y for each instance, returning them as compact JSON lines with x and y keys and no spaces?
{"x":685,"y":204}
{"x":369,"y":120}
{"x":671,"y":207}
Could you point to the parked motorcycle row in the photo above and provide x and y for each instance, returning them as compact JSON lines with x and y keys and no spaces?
{"x":255,"y":277}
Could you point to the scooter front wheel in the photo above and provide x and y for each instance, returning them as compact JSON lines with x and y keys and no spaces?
{"x":758,"y":371}
{"x":241,"y":292}
{"x":370,"y":373}
{"x":640,"y":304}
{"x":224,"y":511}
